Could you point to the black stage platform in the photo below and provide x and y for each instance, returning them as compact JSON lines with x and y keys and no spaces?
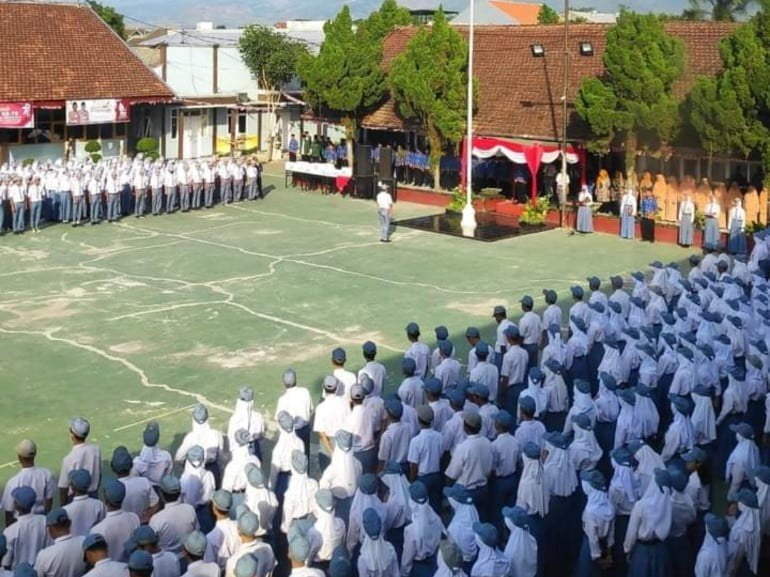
{"x":490,"y":227}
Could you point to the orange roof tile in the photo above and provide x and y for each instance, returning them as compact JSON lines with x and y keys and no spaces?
{"x":56,"y":52}
{"x":520,"y":96}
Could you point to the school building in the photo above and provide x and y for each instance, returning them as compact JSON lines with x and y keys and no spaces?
{"x":68,"y":79}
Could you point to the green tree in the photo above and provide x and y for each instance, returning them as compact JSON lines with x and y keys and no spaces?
{"x":721,"y":10}
{"x":428,"y":82}
{"x":346,"y":78}
{"x":634,"y":98}
{"x":272,"y":59}
{"x":547,"y":15}
{"x":111,"y":17}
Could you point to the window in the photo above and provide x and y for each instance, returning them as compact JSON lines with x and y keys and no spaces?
{"x":174,"y":122}
{"x":121,"y":128}
{"x":241,"y":123}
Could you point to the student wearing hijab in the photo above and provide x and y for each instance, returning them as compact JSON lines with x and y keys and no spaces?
{"x":378,"y":557}
{"x":686,"y":220}
{"x":628,"y":425}
{"x":584,"y":223}
{"x":398,"y":513}
{"x":260,"y":499}
{"x":736,"y":224}
{"x":421,"y":536}
{"x":648,"y":527}
{"x":197,"y":486}
{"x":333,"y":410}
{"x":598,"y":526}
{"x":460,"y":528}
{"x":576,"y":354}
{"x":280,"y":461}
{"x":490,"y":561}
{"x":234,"y":477}
{"x":532,"y":495}
{"x":521,"y":549}
{"x":207,"y":437}
{"x":555,"y":348}
{"x":584,"y":451}
{"x":366,"y":497}
{"x":624,"y":492}
{"x":683,"y":515}
{"x":582,"y":404}
{"x":607,"y":411}
{"x":733,"y":412}
{"x":648,"y":461}
{"x":745,"y":536}
{"x":744,"y":459}
{"x":713,"y":555}
{"x":328,"y":531}
{"x":450,"y":561}
{"x":680,"y":435}
{"x":245,"y":416}
{"x":557,"y":395}
{"x":561,"y":524}
{"x":342,"y":475}
{"x":299,"y":499}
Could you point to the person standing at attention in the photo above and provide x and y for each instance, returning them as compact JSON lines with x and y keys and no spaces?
{"x":627,"y":214}
{"x":585,"y":219}
{"x":686,"y":220}
{"x":649,"y":207}
{"x":385,"y":211}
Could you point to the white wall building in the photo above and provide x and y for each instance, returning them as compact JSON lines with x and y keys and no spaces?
{"x":222,"y":102}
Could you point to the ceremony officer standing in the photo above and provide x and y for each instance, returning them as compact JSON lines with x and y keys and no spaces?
{"x":385,"y":211}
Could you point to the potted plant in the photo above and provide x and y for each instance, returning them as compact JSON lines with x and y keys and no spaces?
{"x":535,"y":212}
{"x":148,"y":147}
{"x":459,"y":199}
{"x":93,"y":148}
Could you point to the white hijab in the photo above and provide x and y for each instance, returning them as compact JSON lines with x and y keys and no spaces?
{"x":611,"y":362}
{"x":521,"y":551}
{"x":584,"y":451}
{"x":607,"y":405}
{"x":598,"y":507}
{"x":460,"y":528}
{"x":191,"y":481}
{"x":244,"y":417}
{"x":538,"y":394}
{"x":657,"y":510}
{"x":703,"y":419}
{"x":342,"y":474}
{"x":427,"y":529}
{"x":647,"y":415}
{"x":301,"y":492}
{"x":712,"y":557}
{"x":648,"y":461}
{"x":399,"y":513}
{"x":533,"y":494}
{"x":377,"y":555}
{"x":262,"y":501}
{"x":443,"y":570}
{"x":763,"y":498}
{"x":489,"y":563}
{"x":330,"y":537}
{"x":559,"y":472}
{"x":745,"y":454}
{"x":624,"y":488}
{"x":747,"y":530}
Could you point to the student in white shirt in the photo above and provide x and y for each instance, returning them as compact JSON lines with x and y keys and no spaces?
{"x":38,"y":478}
{"x":194,"y":547}
{"x":84,"y":511}
{"x":362,"y":423}
{"x":345,"y":378}
{"x":501,"y":344}
{"x":141,"y":499}
{"x":97,"y":556}
{"x":530,"y":329}
{"x":28,"y":535}
{"x":418,"y":351}
{"x":118,"y":525}
{"x":424,"y":456}
{"x":384,"y":211}
{"x":374,"y":369}
{"x":330,"y":413}
{"x":394,"y":442}
{"x":176,"y":519}
{"x":297,"y":402}
{"x":64,"y":557}
{"x":448,"y":370}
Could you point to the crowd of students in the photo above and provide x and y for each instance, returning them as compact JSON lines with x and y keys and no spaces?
{"x":596,"y":438}
{"x":82,"y":191}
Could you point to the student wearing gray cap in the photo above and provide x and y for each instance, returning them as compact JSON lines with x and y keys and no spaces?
{"x":246,"y":417}
{"x":39,"y":478}
{"x":64,"y":558}
{"x":97,"y":556}
{"x":394,"y":441}
{"x":362,"y":423}
{"x":418,"y":350}
{"x":410,"y":390}
{"x":141,"y":564}
{"x":176,"y":519}
{"x":166,"y":563}
{"x":329,"y":414}
{"x":152,"y":461}
{"x":530,"y":328}
{"x":248,"y":526}
{"x":448,"y":369}
{"x":83,"y":455}
{"x":484,"y":372}
{"x":299,"y":554}
{"x":297,"y":402}
{"x":84,"y":511}
{"x":425,"y":456}
{"x":345,"y":378}
{"x":118,"y":525}
{"x":374,"y":369}
{"x":206,"y":436}
{"x":342,"y":474}
{"x":223,"y":539}
{"x":472,"y":462}
{"x":28,"y":535}
{"x":501,"y":343}
{"x":299,"y":499}
{"x":194,"y":546}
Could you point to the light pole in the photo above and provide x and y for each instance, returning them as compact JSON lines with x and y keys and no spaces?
{"x":564,"y":185}
{"x":468,"y":222}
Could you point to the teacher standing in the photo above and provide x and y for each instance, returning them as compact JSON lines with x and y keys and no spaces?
{"x":384,"y":211}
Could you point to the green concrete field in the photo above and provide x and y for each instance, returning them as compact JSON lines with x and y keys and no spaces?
{"x":140,"y":320}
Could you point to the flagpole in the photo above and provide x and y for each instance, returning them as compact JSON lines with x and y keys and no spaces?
{"x":468,"y":222}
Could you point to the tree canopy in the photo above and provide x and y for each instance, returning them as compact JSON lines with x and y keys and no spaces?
{"x":271,"y":57}
{"x":721,"y":10}
{"x":428,"y":81}
{"x":547,"y":15}
{"x":634,"y":98}
{"x":111,"y":17}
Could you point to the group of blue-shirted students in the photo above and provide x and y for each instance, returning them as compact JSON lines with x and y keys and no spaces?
{"x":587,"y":440}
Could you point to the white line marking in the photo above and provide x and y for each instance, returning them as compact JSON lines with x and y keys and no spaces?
{"x":154,"y":417}
{"x":144,"y":379}
{"x":8,"y":464}
{"x":166,"y":309}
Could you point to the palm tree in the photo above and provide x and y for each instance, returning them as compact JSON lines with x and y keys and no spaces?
{"x":719,"y":10}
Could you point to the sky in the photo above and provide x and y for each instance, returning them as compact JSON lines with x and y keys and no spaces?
{"x":242,"y":12}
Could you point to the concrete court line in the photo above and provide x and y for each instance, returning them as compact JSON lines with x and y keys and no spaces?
{"x":154,"y":417}
{"x":300,"y":219}
{"x":144,"y":379}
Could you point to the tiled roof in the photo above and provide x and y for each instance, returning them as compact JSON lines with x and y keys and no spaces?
{"x":54,"y":52}
{"x":523,"y":13}
{"x":520,"y":96}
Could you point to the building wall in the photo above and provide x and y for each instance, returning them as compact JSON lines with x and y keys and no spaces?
{"x":189,"y":70}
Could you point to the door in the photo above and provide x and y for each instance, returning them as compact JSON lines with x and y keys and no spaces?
{"x":192,"y":134}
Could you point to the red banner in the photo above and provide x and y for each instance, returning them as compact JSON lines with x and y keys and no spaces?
{"x":16,"y":115}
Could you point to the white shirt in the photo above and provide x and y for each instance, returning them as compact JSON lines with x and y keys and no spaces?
{"x":394,"y":443}
{"x":202,"y":569}
{"x":502,"y":341}
{"x":260,"y":550}
{"x":471,"y":462}
{"x":175,"y":521}
{"x":223,"y":542}
{"x":425,"y":451}
{"x":165,"y":564}
{"x":82,"y":456}
{"x":448,"y":372}
{"x":140,"y":495}
{"x":506,"y":450}
{"x":377,"y":373}
{"x":346,"y":379}
{"x":84,"y":512}
{"x":384,"y":200}
{"x":515,"y":363}
{"x":108,"y":568}
{"x":420,"y":353}
{"x":296,"y":401}
{"x":206,"y":437}
{"x":486,"y":374}
{"x":530,"y":328}
{"x":62,"y":559}
{"x":330,"y":415}
{"x":116,"y":528}
{"x":362,"y":423}
{"x":39,"y":478}
{"x":24,"y":540}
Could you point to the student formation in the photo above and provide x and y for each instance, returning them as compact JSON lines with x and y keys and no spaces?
{"x":622,"y":433}
{"x":82,"y":191}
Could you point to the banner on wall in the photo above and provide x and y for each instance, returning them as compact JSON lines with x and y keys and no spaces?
{"x":17,"y":115}
{"x":80,"y":112}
